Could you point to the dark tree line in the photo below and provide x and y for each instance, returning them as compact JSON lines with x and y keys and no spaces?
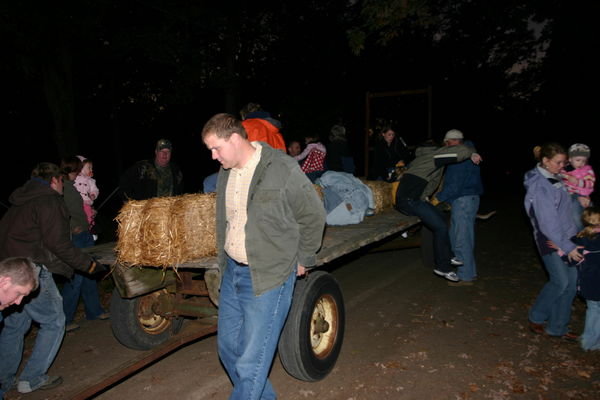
{"x":109,"y":77}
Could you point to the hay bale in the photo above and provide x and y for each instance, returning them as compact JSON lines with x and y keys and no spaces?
{"x":194,"y":227}
{"x":129,"y":222}
{"x":166,"y":231}
{"x":382,"y":194}
{"x":156,"y":233}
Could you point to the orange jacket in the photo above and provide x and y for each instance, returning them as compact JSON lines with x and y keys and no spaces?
{"x":262,"y":130}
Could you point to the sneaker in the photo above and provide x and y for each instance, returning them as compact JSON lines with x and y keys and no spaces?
{"x":71,"y":327}
{"x":569,"y":337}
{"x":536,"y":328}
{"x":103,"y":316}
{"x":451,"y":276}
{"x":456,"y":262}
{"x":461,"y":283}
{"x":486,"y":216}
{"x":50,"y":383}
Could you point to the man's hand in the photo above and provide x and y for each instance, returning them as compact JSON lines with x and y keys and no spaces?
{"x":301,"y":271}
{"x":97,"y":268}
{"x":476,"y":158}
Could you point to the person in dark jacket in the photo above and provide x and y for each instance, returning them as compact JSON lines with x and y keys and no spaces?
{"x":339,"y":157}
{"x":37,"y":226}
{"x":589,"y":276}
{"x":157,"y":178}
{"x":419,"y":182}
{"x":389,"y":150}
{"x":462,"y":188}
{"x":80,"y":285}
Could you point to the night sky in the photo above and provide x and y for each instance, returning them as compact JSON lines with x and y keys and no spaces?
{"x":107,"y":78}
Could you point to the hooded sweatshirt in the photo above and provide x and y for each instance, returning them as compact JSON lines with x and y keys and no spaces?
{"x":548,"y":206}
{"x":37,"y":226}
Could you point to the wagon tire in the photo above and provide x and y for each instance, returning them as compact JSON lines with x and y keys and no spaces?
{"x":313,"y":334}
{"x":136,"y":326}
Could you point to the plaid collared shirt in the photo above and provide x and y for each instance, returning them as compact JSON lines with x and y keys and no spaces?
{"x":236,"y":207}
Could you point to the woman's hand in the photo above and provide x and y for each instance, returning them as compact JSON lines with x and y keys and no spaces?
{"x":575,"y":255}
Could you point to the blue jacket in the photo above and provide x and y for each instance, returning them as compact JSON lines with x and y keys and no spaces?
{"x":548,"y":206}
{"x":462,"y":179}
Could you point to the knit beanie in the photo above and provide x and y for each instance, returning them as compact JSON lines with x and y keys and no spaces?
{"x":579,"y":150}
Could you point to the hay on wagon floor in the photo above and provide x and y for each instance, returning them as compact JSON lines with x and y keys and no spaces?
{"x":382,"y":194}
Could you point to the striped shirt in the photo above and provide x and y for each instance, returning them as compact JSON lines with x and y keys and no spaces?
{"x":236,"y":206}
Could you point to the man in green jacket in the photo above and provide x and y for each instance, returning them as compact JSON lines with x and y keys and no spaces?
{"x":270,"y":223}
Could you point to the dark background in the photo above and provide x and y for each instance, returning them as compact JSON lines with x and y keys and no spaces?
{"x":107,"y":78}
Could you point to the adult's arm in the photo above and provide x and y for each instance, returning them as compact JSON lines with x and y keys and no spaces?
{"x":309,"y":213}
{"x":53,"y":221}
{"x":548,"y":220}
{"x":305,"y":152}
{"x":74,"y":203}
{"x":452,"y":154}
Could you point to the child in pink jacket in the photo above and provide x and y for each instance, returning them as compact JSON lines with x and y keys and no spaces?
{"x":86,"y":185}
{"x":579,"y":179}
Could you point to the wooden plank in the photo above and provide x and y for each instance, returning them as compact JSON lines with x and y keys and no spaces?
{"x":338,"y":240}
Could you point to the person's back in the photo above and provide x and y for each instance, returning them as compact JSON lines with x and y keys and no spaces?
{"x":339,"y":157}
{"x":261,"y":130}
{"x":34,"y":207}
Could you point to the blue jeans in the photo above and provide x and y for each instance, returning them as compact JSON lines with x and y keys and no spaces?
{"x":46,"y":309}
{"x":577,"y":210}
{"x":434,"y":220}
{"x":249,"y":330}
{"x":553,"y":304}
{"x":590,"y":339}
{"x":81,"y":285}
{"x":462,"y":235}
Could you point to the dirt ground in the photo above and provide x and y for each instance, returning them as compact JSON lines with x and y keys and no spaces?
{"x":408,"y":336}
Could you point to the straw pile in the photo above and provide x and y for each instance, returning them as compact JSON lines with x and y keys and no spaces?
{"x":166,"y":231}
{"x":382,"y":194}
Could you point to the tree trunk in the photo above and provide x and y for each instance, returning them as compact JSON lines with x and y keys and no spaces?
{"x":57,"y":79}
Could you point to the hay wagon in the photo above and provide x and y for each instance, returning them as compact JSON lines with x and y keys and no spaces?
{"x":150,"y":304}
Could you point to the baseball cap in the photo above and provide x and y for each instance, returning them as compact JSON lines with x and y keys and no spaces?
{"x":164,"y":144}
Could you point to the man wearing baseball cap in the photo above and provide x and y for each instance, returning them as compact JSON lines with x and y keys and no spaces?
{"x":157,"y":178}
{"x":418,"y":184}
{"x":462,"y":189}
